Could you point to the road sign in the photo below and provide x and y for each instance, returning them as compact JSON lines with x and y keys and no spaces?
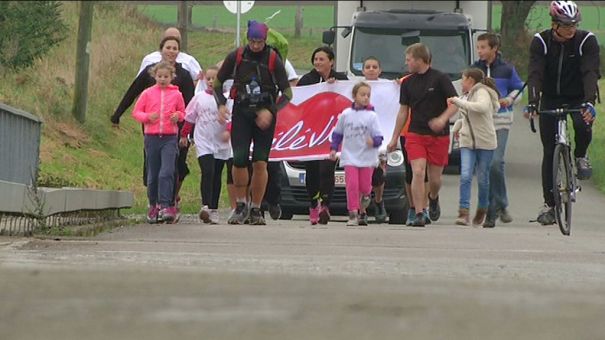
{"x":232,"y":6}
{"x":237,"y":8}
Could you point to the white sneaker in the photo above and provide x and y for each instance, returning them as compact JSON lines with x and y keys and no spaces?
{"x":204,"y":214}
{"x":353,"y":221}
{"x":214,"y":216}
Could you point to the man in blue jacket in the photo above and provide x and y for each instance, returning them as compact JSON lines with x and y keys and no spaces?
{"x":509,"y":84}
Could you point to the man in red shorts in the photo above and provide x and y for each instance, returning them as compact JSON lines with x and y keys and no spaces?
{"x":427,"y":141}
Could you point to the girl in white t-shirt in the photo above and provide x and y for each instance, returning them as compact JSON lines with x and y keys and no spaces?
{"x":212,"y":144}
{"x":358,"y":131}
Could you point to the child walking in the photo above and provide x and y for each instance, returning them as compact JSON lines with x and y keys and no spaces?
{"x":211,"y":140}
{"x":159,"y":109}
{"x":371,"y":70}
{"x":477,"y":137}
{"x":359,"y":133}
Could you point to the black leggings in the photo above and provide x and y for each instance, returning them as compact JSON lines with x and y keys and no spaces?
{"x":273,"y":191}
{"x":548,"y":132}
{"x":210,"y":184}
{"x":320,"y":180}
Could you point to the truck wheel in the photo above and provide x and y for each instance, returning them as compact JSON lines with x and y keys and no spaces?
{"x":397,"y":217}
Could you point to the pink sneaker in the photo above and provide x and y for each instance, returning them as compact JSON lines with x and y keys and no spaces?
{"x":324,"y":215}
{"x":152,"y":214}
{"x":314,"y":215}
{"x":169,"y":215}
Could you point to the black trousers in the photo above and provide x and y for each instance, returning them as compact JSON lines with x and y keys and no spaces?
{"x":548,"y":132}
{"x":273,"y":191}
{"x":320,"y":180}
{"x":210,"y":183}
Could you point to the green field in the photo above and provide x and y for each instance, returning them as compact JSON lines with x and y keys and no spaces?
{"x":316,"y":18}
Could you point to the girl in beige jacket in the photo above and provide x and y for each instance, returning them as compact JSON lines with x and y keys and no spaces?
{"x":477,"y":139}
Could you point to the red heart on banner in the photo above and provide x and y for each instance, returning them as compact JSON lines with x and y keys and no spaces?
{"x":305,"y":129}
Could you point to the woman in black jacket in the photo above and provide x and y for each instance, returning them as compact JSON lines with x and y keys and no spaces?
{"x":169,"y":48}
{"x":319,"y":177}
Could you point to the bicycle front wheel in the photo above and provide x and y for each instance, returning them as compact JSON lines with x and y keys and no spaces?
{"x":562,"y":187}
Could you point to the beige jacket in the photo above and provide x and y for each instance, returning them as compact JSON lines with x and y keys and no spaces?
{"x":479,"y":107}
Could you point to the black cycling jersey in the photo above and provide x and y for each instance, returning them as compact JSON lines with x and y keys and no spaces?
{"x":566,"y":70}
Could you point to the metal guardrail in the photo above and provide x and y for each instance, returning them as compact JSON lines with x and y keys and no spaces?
{"x":19,"y":145}
{"x":23,"y":206}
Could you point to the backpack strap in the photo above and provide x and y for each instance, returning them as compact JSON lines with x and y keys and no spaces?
{"x":239,"y":56}
{"x":272,"y":57}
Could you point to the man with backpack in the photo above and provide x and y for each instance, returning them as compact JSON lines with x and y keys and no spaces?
{"x":563,"y":70}
{"x":258,"y":76}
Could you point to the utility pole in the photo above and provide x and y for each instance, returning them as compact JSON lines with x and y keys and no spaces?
{"x":183,"y":18}
{"x":83,"y":60}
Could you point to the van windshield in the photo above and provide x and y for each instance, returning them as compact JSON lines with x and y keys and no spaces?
{"x":449,"y":50}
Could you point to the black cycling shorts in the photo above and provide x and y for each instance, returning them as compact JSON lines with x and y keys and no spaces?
{"x":244,"y":131}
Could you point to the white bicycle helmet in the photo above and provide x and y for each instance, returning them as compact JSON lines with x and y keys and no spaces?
{"x":566,"y":12}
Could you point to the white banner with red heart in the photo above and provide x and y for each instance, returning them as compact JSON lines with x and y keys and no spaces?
{"x":304,"y":127}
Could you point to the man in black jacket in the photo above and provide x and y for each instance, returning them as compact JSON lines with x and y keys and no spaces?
{"x":258,"y":76}
{"x":563,"y":70}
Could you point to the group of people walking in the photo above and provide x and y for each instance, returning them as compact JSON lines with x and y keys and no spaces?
{"x":225,"y":120}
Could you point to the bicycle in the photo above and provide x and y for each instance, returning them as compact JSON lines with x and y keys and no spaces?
{"x":565,"y":185}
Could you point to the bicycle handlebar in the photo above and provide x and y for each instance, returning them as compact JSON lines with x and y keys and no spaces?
{"x":560,"y":112}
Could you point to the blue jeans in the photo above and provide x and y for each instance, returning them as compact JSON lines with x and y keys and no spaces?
{"x":498,"y":198}
{"x":470,"y":160}
{"x":161,"y":152}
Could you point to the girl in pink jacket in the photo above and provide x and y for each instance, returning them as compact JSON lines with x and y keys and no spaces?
{"x":159,"y":109}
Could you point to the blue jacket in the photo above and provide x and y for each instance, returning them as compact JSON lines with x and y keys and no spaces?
{"x":508,"y":83}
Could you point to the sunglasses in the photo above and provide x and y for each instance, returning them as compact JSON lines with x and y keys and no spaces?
{"x":568,"y":25}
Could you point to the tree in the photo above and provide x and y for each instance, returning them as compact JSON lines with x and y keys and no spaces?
{"x":29,"y":30}
{"x":513,"y":32}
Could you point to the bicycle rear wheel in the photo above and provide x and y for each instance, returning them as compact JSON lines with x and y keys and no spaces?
{"x":562,"y":187}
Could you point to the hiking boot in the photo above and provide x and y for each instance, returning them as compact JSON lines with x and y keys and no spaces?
{"x":418,"y":220}
{"x":168,"y":215}
{"x":353,"y":221}
{"x":362,"y":219}
{"x":152,"y":214}
{"x":314,"y":215}
{"x":275,"y":211}
{"x":256,"y":217}
{"x":505,"y":216}
{"x":380,"y":213}
{"x":214,"y":216}
{"x":546,"y":216}
{"x":434,"y":208}
{"x":427,"y":218}
{"x":204,"y":214}
{"x":365,"y":201}
{"x":584,"y":168}
{"x":463,"y":217}
{"x":240,"y":215}
{"x":411,"y":216}
{"x":479,"y":216}
{"x":489,"y":222}
{"x":324,"y":215}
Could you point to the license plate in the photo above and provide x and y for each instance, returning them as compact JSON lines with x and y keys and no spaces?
{"x":339,"y":180}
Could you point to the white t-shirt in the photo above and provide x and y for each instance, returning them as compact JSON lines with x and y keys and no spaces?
{"x":207,"y":137}
{"x":290,"y":71}
{"x":356,"y":126}
{"x":188,"y":62}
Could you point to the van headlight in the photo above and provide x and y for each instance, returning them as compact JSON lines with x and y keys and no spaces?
{"x":395,"y":158}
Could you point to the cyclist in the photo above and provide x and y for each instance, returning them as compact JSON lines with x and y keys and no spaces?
{"x":563,"y":70}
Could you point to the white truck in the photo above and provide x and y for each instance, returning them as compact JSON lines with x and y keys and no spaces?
{"x":385,"y":28}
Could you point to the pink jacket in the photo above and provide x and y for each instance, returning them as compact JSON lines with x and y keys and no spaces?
{"x":164,"y":102}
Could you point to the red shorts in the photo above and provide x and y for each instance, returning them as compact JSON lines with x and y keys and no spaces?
{"x":435,"y":149}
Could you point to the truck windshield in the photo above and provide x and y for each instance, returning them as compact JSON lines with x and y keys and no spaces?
{"x":449,"y":50}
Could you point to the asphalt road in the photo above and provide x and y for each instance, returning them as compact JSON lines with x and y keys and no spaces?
{"x":289,"y":280}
